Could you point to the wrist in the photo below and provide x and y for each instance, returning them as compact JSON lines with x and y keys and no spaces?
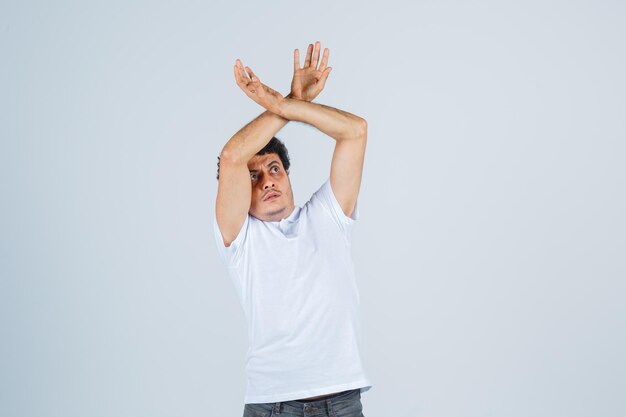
{"x":296,"y":97}
{"x":280,"y":107}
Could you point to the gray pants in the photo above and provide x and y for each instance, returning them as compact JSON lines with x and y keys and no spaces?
{"x":342,"y":404}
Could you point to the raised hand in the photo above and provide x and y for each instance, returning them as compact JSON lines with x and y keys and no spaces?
{"x":309,"y":80}
{"x":251,"y":85}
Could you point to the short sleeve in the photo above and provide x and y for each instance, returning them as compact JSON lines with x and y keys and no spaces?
{"x":327,"y":197}
{"x":232,"y":254}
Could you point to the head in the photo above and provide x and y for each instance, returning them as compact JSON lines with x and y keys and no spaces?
{"x":269,"y":177}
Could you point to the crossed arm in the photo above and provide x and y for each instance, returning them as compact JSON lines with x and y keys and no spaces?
{"x":349,"y":130}
{"x":350,"y":133}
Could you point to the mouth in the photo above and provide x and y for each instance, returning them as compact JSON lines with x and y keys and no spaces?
{"x":271,"y":196}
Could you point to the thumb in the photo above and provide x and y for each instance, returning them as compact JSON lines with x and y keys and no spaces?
{"x":324,"y":76}
{"x":255,"y":83}
{"x":252,"y":75}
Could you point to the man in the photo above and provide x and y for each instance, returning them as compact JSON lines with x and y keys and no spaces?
{"x":291,"y":265}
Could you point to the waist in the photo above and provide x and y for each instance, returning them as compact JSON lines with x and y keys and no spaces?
{"x":321,"y":397}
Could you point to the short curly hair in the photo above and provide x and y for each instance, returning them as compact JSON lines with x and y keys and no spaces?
{"x":273,"y":146}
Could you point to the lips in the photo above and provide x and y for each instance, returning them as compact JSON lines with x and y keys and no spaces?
{"x":270,"y":195}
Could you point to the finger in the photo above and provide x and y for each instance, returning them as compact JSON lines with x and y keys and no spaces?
{"x":296,"y":60}
{"x":324,"y":60}
{"x":240,"y":76}
{"x":241,"y":72}
{"x":236,"y":70}
{"x":316,"y":54}
{"x":254,"y":79}
{"x":250,"y":73}
{"x":240,"y":65}
{"x":254,"y":84}
{"x":247,"y":81}
{"x":307,"y":60}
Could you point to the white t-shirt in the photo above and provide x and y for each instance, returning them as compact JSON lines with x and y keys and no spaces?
{"x":295,"y":281}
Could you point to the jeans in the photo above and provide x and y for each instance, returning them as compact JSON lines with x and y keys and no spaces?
{"x":343,"y":404}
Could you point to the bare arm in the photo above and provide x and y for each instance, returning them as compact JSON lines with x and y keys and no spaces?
{"x":252,"y":137}
{"x":349,"y":130}
{"x":234,"y":188}
{"x":306,"y":84}
{"x":338,"y":124}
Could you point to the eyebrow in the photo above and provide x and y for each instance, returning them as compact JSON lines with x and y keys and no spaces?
{"x":268,"y":165}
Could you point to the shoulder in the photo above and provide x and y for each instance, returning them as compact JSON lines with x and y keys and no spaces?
{"x":326,"y":196}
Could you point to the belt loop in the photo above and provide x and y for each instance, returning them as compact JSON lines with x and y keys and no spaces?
{"x":276,"y":408}
{"x":331,"y":410}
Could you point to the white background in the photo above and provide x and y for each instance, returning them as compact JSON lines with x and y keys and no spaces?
{"x":490,"y":252}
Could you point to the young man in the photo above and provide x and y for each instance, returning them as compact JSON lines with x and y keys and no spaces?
{"x":291,"y":265}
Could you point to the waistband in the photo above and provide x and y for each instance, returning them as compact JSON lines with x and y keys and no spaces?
{"x":326,"y":397}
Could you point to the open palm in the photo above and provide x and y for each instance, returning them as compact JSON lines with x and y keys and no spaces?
{"x":309,"y":80}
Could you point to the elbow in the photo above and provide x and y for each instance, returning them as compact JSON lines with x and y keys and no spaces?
{"x":226,"y":154}
{"x":356,"y":129}
{"x":361,"y":129}
{"x":230,"y":155}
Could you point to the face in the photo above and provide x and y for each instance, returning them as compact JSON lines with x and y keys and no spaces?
{"x":272,"y":198}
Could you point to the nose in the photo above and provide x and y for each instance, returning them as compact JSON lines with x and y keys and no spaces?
{"x":268,"y":184}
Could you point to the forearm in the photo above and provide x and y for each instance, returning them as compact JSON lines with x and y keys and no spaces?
{"x":253,"y":137}
{"x":336,"y":123}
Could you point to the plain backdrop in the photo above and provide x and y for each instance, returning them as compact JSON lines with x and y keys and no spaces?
{"x":491,"y":249}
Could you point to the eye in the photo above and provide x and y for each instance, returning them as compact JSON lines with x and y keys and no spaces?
{"x":253,"y":177}
{"x":276,"y":168}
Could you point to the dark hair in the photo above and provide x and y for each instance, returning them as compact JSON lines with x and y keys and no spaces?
{"x":273,"y":146}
